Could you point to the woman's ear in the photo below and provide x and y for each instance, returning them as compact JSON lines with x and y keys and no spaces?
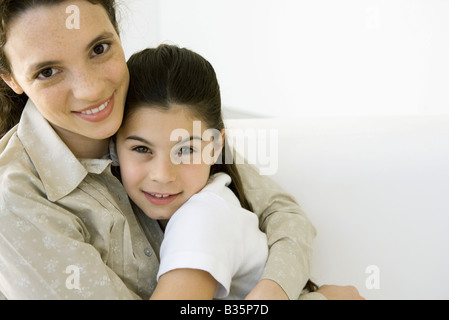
{"x":12,"y":83}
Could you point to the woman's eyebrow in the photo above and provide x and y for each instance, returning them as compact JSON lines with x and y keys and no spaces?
{"x":42,"y":66}
{"x":47,"y":64}
{"x":105,"y":35}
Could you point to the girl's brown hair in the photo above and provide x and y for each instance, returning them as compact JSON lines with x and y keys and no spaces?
{"x":11,"y":104}
{"x":170,"y":75}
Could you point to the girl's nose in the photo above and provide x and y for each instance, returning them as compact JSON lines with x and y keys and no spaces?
{"x":163,"y":171}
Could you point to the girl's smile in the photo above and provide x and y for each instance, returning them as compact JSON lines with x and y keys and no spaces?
{"x":160,"y":199}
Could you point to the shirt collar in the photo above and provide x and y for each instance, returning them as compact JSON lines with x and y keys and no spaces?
{"x":58,"y":168}
{"x":113,"y":153}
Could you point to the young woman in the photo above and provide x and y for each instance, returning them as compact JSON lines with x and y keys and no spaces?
{"x":67,"y":228}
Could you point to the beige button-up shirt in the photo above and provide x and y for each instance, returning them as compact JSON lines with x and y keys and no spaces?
{"x":68,"y":230}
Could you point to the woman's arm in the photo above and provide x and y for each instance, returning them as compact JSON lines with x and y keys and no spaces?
{"x":267,"y":290}
{"x":185,"y":284}
{"x":290,"y":234}
{"x":48,"y":257}
{"x":49,"y":252}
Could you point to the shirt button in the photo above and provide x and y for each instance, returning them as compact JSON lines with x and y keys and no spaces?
{"x":147,"y":252}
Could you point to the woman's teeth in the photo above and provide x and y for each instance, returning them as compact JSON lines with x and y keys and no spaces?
{"x":96,"y":110}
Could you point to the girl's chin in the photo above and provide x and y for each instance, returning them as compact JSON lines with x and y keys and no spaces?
{"x":160,"y":214}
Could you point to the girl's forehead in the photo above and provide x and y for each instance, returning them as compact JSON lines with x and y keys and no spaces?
{"x":175,"y":113}
{"x":157,"y":119}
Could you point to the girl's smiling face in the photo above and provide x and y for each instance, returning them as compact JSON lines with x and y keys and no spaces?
{"x":161,"y":168}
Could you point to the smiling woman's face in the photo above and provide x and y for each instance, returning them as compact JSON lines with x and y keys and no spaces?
{"x":77,"y":78}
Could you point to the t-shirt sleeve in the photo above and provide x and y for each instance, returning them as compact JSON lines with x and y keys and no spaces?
{"x":200,"y":235}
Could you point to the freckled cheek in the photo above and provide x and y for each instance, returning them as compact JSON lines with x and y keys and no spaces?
{"x":118,"y":72}
{"x":123,"y":78}
{"x":51,"y":102}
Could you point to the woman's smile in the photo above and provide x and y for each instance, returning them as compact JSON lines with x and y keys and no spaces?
{"x":98,"y":112}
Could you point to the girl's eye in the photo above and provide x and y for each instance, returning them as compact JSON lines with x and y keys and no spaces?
{"x":47,"y":73}
{"x":142,"y":149}
{"x":186,"y":151}
{"x":101,"y":49}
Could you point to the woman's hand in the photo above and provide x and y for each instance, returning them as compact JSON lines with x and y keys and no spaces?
{"x":267,"y":290}
{"x":332,"y":292}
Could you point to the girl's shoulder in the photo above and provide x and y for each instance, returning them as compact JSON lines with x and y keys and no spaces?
{"x":218,"y":185}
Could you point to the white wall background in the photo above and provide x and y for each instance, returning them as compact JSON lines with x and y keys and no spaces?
{"x":309,"y":57}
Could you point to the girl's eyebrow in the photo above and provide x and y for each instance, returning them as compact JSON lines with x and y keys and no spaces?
{"x":190,"y":139}
{"x":137,"y":138}
{"x":140,"y":139}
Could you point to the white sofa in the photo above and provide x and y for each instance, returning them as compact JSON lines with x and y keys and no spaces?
{"x":376,"y":189}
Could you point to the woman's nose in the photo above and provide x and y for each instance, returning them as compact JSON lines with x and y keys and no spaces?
{"x":87,"y":86}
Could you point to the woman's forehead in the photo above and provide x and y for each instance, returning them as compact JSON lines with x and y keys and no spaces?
{"x":47,"y":33}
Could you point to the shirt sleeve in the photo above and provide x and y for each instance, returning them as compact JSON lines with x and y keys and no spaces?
{"x":200,"y":236}
{"x":45,"y":253}
{"x":290,"y":233}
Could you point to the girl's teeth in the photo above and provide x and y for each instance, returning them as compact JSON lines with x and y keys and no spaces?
{"x":96,"y":110}
{"x":160,"y":196}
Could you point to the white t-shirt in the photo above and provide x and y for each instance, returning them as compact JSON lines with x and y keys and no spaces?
{"x":212,"y":232}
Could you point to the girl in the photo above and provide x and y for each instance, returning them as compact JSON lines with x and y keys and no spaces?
{"x":67,"y":228}
{"x":212,"y":246}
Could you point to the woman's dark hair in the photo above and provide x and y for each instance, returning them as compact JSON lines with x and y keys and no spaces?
{"x":169,"y":75}
{"x":11,"y":104}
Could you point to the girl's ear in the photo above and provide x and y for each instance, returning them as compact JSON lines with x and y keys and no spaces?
{"x":11,"y":82}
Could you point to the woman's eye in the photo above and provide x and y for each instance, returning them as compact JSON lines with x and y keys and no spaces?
{"x":100,"y":49}
{"x":47,"y":73}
